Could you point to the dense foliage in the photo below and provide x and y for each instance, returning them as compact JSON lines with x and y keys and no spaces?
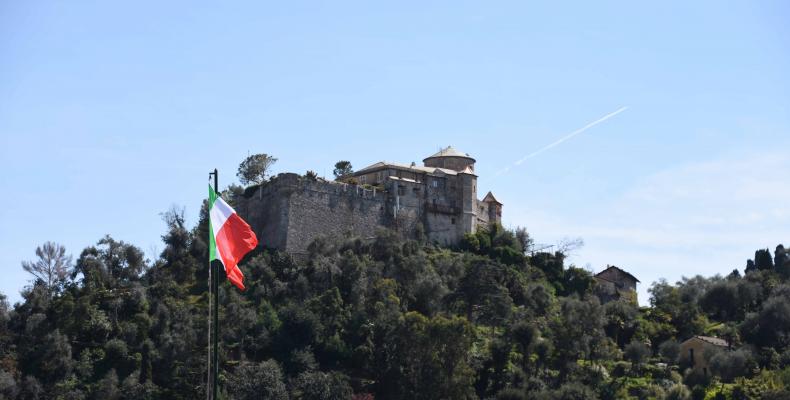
{"x":387,"y":318}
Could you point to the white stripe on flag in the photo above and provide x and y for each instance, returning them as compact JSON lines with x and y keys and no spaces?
{"x":219,"y":214}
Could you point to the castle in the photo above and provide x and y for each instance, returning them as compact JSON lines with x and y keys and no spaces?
{"x":438,"y":199}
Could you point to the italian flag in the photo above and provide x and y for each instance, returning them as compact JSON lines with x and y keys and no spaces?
{"x":230,"y":238}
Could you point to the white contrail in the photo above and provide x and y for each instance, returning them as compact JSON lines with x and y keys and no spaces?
{"x":564,"y":138}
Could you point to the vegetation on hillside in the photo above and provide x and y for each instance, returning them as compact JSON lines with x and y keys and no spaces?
{"x":387,"y":318}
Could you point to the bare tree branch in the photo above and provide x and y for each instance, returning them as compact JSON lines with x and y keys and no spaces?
{"x":52,"y":267}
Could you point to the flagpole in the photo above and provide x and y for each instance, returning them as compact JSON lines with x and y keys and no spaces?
{"x":208,"y":346}
{"x":216,"y":307}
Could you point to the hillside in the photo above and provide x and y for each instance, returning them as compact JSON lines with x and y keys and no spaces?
{"x":388,"y":318}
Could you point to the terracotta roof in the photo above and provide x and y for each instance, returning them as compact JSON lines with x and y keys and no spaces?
{"x":619,"y":269}
{"x":387,"y":165}
{"x":712,"y":340}
{"x":603,"y":279}
{"x":449,"y":151}
{"x":491,"y":199}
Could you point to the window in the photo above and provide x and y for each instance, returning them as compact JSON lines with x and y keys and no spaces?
{"x":401,"y":190}
{"x":691,"y":356}
{"x":435,"y":183}
{"x":452,"y":220}
{"x":363,"y":179}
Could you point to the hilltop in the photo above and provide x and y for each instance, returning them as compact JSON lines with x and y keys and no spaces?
{"x":389,"y":317}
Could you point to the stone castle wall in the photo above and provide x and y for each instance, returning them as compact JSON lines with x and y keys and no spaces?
{"x":290,"y":211}
{"x":319,"y":208}
{"x":437,"y":208}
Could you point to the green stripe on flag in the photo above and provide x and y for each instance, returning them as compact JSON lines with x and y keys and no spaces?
{"x":212,"y":245}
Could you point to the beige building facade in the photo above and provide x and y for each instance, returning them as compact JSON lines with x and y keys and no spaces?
{"x":692,"y":351}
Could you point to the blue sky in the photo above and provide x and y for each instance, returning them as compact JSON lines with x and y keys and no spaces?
{"x":112,"y":112}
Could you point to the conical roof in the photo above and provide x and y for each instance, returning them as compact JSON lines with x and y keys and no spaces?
{"x":491,"y":199}
{"x":450,"y":151}
{"x":468,"y":171}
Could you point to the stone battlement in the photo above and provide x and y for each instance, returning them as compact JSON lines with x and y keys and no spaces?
{"x":290,"y":210}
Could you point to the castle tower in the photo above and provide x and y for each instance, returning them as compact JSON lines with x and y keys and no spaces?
{"x":466,"y":191}
{"x":468,"y":188}
{"x":494,"y":209}
{"x":450,"y":158}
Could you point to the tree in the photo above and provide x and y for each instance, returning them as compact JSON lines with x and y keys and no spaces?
{"x":524,"y":335}
{"x":52,"y":267}
{"x":574,"y":391}
{"x":678,"y":391}
{"x":680,"y":304}
{"x":669,"y":350}
{"x":721,"y":301}
{"x":763,"y":260}
{"x":342,"y":168}
{"x":3,"y":312}
{"x":637,"y":353}
{"x":781,"y":255}
{"x":524,"y":239}
{"x":770,"y":327}
{"x":107,"y":387}
{"x":321,"y":386}
{"x":8,"y":386}
{"x":577,"y":280}
{"x":176,"y":256}
{"x":732,"y":364}
{"x":254,"y":168}
{"x":108,"y":264}
{"x":620,"y":321}
{"x":257,"y":381}
{"x":782,"y":261}
{"x":578,"y":331}
{"x":430,"y":359}
{"x":552,"y":266}
{"x":567,"y":245}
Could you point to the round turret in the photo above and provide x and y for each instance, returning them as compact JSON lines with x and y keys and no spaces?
{"x":450,"y":158}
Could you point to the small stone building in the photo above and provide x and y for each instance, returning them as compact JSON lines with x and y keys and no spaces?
{"x":692,"y":351}
{"x":614,"y":284}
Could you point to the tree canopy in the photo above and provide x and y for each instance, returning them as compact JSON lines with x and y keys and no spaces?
{"x":389,"y":317}
{"x":254,"y":168}
{"x":342,"y":168}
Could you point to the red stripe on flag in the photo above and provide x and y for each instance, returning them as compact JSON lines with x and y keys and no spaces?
{"x":234,"y":240}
